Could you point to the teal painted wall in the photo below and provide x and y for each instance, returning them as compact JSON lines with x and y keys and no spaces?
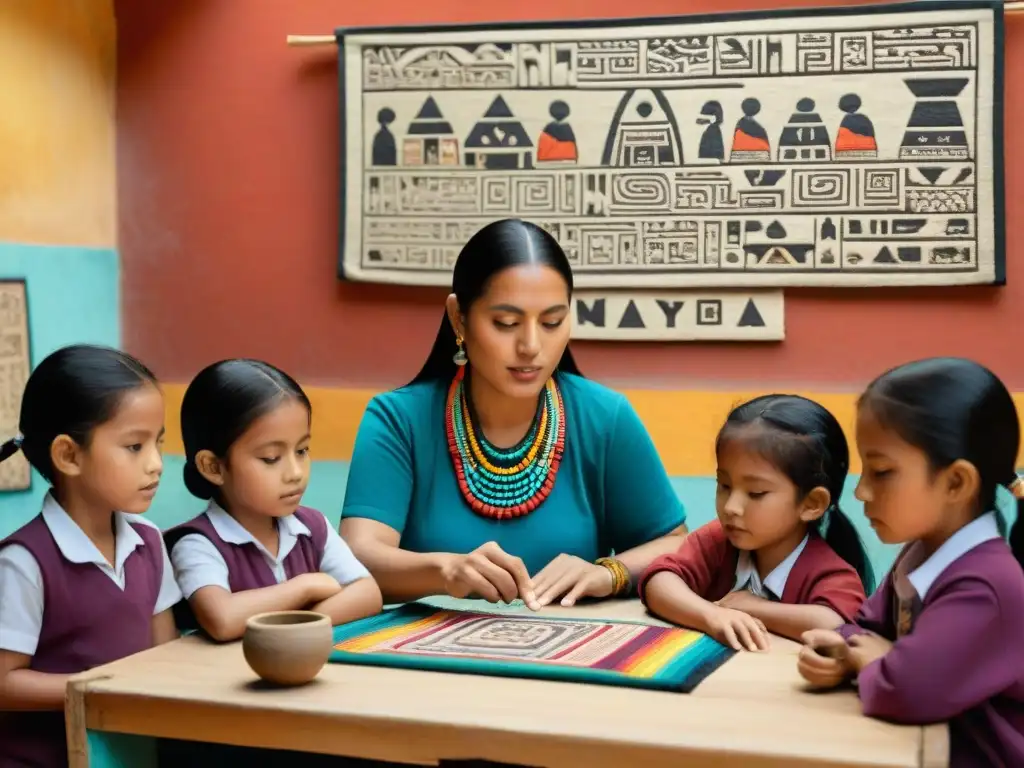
{"x":73,"y":296}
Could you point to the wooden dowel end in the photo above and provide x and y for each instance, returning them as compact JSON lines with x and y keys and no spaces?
{"x":311,"y":40}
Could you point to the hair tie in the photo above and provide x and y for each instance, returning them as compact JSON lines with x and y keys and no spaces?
{"x":20,"y":438}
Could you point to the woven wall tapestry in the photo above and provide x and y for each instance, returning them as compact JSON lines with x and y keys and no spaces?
{"x":833,"y":146}
{"x":15,"y":364}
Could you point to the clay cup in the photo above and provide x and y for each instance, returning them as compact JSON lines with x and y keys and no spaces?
{"x":287,"y":647}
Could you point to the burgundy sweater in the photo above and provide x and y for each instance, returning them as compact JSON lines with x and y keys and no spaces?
{"x":706,"y":562}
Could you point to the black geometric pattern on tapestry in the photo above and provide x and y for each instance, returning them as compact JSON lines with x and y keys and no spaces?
{"x":832,"y":146}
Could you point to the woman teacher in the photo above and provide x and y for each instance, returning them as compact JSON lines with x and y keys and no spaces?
{"x":499,"y":471}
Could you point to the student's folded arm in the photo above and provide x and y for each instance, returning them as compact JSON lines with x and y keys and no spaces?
{"x":223,"y":614}
{"x":21,"y":623}
{"x":164,"y":628}
{"x":360,"y":596}
{"x":203,"y":577}
{"x":673,"y":585}
{"x":834,"y":598}
{"x":24,"y":689}
{"x":962,"y":652}
{"x":358,"y":599}
{"x":670,"y":598}
{"x":789,"y":620}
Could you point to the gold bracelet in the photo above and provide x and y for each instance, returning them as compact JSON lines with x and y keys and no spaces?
{"x":621,"y":582}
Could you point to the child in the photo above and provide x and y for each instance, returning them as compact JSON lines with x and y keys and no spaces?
{"x":81,"y":584}
{"x":781,"y":557}
{"x":941,"y":638}
{"x":245,"y":426}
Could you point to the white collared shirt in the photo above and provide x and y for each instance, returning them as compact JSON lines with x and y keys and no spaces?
{"x":21,"y":581}
{"x":774,"y":583}
{"x":914,"y":575}
{"x":198,"y":564}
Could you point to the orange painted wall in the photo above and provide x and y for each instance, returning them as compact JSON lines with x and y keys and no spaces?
{"x":228,"y":181}
{"x":57,"y":64}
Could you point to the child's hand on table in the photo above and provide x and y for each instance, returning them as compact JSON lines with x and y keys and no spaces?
{"x":866,"y":648}
{"x":738,"y":630}
{"x":824,"y":661}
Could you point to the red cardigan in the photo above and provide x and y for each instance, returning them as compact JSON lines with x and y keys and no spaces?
{"x":707,"y":562}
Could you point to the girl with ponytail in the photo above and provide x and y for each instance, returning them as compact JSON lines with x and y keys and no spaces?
{"x":781,"y":557}
{"x":246,"y":429}
{"x":941,"y":638}
{"x":87,"y":581}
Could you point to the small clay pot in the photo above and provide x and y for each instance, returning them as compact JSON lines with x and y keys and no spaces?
{"x":287,"y":647}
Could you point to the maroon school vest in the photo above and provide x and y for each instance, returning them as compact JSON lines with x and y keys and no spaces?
{"x":247,"y":567}
{"x":87,"y":621}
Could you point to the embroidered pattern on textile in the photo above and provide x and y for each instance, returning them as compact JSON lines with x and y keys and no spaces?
{"x":423,"y":637}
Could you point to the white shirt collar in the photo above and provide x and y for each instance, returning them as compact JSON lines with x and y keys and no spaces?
{"x":922,"y":575}
{"x":748,"y":577}
{"x":289,"y":528}
{"x":76,"y":547}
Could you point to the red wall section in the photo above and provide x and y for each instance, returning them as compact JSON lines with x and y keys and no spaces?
{"x":228,"y":180}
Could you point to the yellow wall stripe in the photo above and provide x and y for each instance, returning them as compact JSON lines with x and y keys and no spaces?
{"x":683,"y":424}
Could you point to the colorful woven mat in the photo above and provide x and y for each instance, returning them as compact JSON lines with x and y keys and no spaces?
{"x":417,"y":636}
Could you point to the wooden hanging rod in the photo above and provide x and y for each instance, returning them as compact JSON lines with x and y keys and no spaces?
{"x":311,"y":40}
{"x":1010,"y":9}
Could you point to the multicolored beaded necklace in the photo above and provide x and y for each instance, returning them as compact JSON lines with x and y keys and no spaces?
{"x":505,"y":483}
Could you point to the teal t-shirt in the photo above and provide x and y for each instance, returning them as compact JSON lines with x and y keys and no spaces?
{"x":611,"y":492}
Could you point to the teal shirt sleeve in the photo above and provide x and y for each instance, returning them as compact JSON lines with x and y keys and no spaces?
{"x":380,"y":477}
{"x":640,"y":503}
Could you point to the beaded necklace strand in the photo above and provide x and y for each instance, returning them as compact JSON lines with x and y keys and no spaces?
{"x":505,"y":483}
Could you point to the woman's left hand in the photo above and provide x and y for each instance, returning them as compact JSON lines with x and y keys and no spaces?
{"x":573,"y":577}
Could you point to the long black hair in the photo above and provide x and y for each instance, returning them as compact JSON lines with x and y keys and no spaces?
{"x":951,"y":409}
{"x":71,"y":392}
{"x":498,"y":246}
{"x":805,"y":442}
{"x":221,"y":403}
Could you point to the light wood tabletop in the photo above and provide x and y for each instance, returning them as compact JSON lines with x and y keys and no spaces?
{"x":754,"y":711}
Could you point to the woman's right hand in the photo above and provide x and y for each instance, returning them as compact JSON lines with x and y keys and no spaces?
{"x":823,"y":660}
{"x":738,"y":630}
{"x":317,"y":587}
{"x":490,"y":573}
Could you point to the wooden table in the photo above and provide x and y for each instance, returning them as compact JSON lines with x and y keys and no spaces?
{"x":752,"y":712}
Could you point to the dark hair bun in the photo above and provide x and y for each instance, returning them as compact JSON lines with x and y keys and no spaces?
{"x":196,"y":484}
{"x":221,"y":403}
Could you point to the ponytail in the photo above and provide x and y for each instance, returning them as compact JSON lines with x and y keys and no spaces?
{"x":1017,"y":534}
{"x":843,"y":538}
{"x":10,"y":448}
{"x":1016,"y":538}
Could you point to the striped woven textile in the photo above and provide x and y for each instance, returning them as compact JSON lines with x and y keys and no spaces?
{"x":417,"y":636}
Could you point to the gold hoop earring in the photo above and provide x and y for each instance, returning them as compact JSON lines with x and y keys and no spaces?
{"x":459,"y":358}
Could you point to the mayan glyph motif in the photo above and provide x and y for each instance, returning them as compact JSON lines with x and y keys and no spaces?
{"x":567,"y":642}
{"x":650,"y":314}
{"x":803,"y":148}
{"x":15,"y":364}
